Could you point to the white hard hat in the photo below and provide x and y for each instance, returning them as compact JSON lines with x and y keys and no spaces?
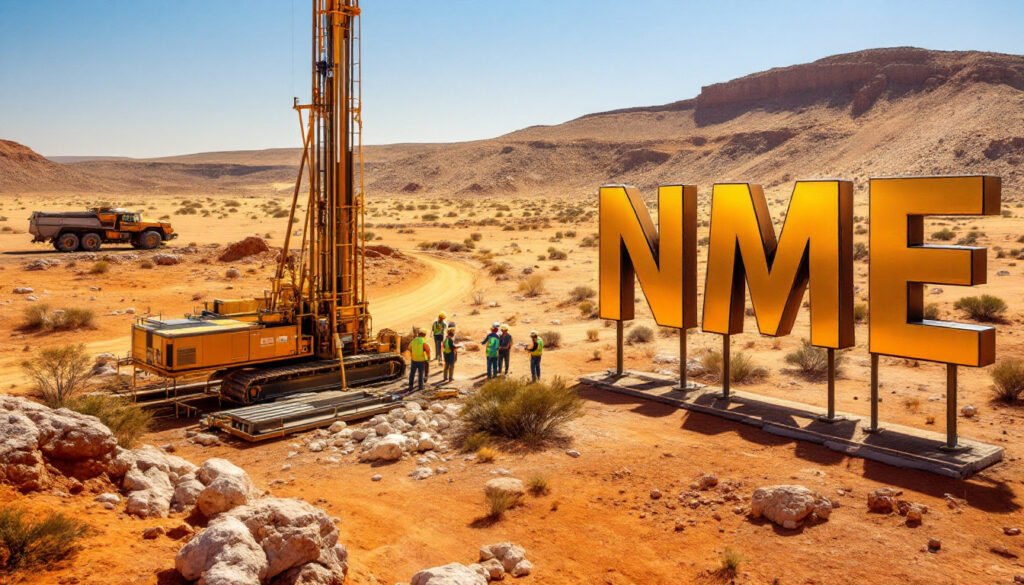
{"x":534,"y":332}
{"x":495,"y":325}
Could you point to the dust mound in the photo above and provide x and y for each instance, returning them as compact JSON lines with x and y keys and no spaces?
{"x":250,"y":246}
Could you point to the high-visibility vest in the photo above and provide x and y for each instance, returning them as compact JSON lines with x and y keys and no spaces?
{"x":492,"y":346}
{"x":539,"y":349}
{"x":449,"y":345}
{"x":419,"y":349}
{"x":439,"y":327}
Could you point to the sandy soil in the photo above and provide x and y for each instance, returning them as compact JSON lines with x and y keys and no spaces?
{"x":599,"y":524}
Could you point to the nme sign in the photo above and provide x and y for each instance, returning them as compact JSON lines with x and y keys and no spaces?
{"x":814,"y":251}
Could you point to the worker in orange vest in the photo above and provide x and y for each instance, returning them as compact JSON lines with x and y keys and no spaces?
{"x":419,"y":352}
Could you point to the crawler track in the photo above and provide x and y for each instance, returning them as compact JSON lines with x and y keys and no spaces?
{"x":252,"y":385}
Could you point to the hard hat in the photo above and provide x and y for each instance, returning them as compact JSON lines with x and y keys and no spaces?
{"x":441,"y":315}
{"x":533,"y":334}
{"x":451,"y":329}
{"x":420,"y":331}
{"x":495,"y":325}
{"x":504,"y":326}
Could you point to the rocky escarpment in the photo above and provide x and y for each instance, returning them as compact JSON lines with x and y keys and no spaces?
{"x":864,"y":76}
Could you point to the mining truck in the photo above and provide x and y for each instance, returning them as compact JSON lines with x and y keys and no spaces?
{"x":88,"y":230}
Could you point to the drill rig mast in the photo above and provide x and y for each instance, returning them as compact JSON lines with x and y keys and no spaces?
{"x":313,"y":329}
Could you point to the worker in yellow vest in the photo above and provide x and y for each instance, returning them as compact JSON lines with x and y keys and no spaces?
{"x":438,"y":329}
{"x":536,"y":350}
{"x":451,"y":354}
{"x":419,"y":352}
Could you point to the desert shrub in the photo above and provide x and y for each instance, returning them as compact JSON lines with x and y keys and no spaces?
{"x":518,"y":409}
{"x":39,"y":318}
{"x":35,"y":317}
{"x":983,"y":308}
{"x":429,"y":217}
{"x":124,"y":418}
{"x":593,"y":334}
{"x":497,"y":502}
{"x":101,"y":267}
{"x":810,"y":360}
{"x":931,"y":311}
{"x":860,"y":312}
{"x":498,"y":268}
{"x":532,"y":285}
{"x":556,"y":254}
{"x":59,"y":374}
{"x":860,"y":250}
{"x":590,"y":241}
{"x":587,"y":309}
{"x":640,"y":334}
{"x":486,"y":454}
{"x":1008,"y":377}
{"x":741,"y":366}
{"x":731,"y":560}
{"x":475,"y":441}
{"x":581,"y":293}
{"x":478,"y":297}
{"x":944,"y":235}
{"x":538,"y":485}
{"x":30,"y":542}
{"x":146,"y":264}
{"x":280,"y":213}
{"x":231,"y":273}
{"x":476,"y":236}
{"x":552,"y":339}
{"x":970,"y":239}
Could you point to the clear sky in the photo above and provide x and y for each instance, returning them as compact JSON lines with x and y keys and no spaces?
{"x":162,"y":77}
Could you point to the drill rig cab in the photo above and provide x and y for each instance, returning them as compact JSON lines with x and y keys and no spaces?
{"x":313,"y":329}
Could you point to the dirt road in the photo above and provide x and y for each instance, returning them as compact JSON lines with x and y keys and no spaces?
{"x":443,"y":283}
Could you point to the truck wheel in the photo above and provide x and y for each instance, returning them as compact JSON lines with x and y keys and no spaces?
{"x":67,"y":242}
{"x":150,"y":239}
{"x":91,"y":242}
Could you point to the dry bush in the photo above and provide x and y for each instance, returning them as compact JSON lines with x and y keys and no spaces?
{"x":741,"y":367}
{"x":931,"y":311}
{"x":101,"y":267}
{"x":983,"y":308}
{"x":35,"y":317}
{"x":538,"y":485}
{"x":486,"y":454}
{"x":29,"y":542}
{"x":640,"y":334}
{"x":731,"y":560}
{"x":497,"y":502}
{"x":518,"y":409}
{"x":593,"y":334}
{"x":860,"y":312}
{"x":860,"y":250}
{"x":532,"y":285}
{"x":478,"y":297}
{"x":944,"y":235}
{"x":810,"y":360}
{"x":556,"y":254}
{"x":473,"y":442}
{"x":588,"y":309}
{"x":59,"y":374}
{"x":146,"y":264}
{"x":1008,"y":377}
{"x":552,"y":339}
{"x":125,"y":419}
{"x":582,"y":293}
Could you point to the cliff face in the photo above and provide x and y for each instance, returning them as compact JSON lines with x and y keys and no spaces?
{"x":23,"y":168}
{"x":861,"y":78}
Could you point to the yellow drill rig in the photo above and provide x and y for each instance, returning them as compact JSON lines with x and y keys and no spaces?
{"x":312,"y":330}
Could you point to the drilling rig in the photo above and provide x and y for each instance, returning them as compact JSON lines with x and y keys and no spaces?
{"x":312,"y":330}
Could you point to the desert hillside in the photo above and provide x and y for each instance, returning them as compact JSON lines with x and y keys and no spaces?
{"x":869,"y":113}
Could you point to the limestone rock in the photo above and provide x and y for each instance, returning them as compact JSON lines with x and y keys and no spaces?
{"x":507,"y":485}
{"x":789,"y":505}
{"x":450,"y":574}
{"x":389,"y":448}
{"x":511,"y":556}
{"x":224,"y":554}
{"x":226,"y":486}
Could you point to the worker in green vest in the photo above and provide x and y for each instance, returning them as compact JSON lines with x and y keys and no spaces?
{"x":438,"y":329}
{"x":490,"y":344}
{"x":536,"y":350}
{"x":419,"y":352}
{"x":450,"y":355}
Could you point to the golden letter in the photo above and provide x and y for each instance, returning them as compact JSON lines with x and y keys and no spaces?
{"x":664,"y":260}
{"x":901,"y":263}
{"x":816,"y":245}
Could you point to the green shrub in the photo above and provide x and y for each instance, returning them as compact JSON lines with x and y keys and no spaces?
{"x":810,"y":360}
{"x":1008,"y":377}
{"x":588,"y":309}
{"x":983,"y":308}
{"x":931,"y":311}
{"x":640,"y":334}
{"x":124,"y":418}
{"x":552,"y":339}
{"x":29,"y":542}
{"x":518,"y":409}
{"x":73,"y":318}
{"x":970,"y":239}
{"x":944,"y":235}
{"x":101,"y":267}
{"x":582,"y":293}
{"x":59,"y":374}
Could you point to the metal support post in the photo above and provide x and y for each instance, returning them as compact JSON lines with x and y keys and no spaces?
{"x":874,"y":428}
{"x":682,"y":359}
{"x":618,"y":348}
{"x":951,"y":388}
{"x":725,"y":368}
{"x":830,"y":416}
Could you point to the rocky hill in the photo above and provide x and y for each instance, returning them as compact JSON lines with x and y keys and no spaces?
{"x":869,"y":113}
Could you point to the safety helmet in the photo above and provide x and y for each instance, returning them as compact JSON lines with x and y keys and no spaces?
{"x":451,"y":329}
{"x":441,"y":315}
{"x":504,"y":326}
{"x":495,"y":325}
{"x":421,"y":331}
{"x":533,"y":333}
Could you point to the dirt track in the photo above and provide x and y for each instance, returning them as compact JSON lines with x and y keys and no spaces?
{"x":442,"y":282}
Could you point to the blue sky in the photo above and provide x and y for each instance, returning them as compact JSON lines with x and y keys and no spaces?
{"x":162,"y":77}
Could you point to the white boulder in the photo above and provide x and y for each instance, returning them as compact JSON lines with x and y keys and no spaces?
{"x":450,"y":574}
{"x":789,"y":505}
{"x":226,"y":486}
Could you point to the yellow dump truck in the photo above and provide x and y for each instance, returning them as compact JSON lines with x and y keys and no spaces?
{"x":88,"y":230}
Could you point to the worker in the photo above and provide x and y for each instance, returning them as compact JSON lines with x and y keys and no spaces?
{"x":419,"y":352}
{"x":438,"y":329}
{"x":450,"y":355}
{"x":504,"y":348}
{"x":490,"y":344}
{"x":536,"y":350}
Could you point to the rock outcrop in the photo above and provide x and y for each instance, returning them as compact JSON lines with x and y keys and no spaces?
{"x":789,"y":506}
{"x":272,"y":541}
